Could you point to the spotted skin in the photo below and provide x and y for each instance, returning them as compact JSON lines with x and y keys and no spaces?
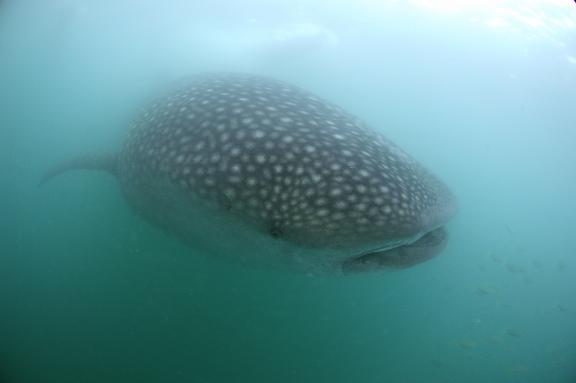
{"x":288,"y":161}
{"x":267,"y":157}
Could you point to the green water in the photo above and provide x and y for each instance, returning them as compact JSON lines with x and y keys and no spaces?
{"x":483,"y":95}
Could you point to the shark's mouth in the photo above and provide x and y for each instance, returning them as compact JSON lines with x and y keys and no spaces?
{"x":428,"y":246}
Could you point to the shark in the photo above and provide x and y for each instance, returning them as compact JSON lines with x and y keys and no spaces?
{"x":257,"y":170}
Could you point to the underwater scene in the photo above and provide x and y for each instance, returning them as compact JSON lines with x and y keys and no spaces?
{"x":343,"y":191}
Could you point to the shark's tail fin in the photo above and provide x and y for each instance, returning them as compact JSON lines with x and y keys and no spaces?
{"x":103,"y":162}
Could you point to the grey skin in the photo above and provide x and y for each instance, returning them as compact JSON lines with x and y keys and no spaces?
{"x":262,"y":172}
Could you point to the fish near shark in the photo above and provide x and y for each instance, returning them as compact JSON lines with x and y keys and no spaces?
{"x":263,"y":172}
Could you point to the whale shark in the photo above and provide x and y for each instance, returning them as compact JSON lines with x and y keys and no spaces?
{"x":260,"y":171}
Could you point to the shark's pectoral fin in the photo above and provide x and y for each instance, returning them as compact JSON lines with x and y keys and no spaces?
{"x":103,"y":162}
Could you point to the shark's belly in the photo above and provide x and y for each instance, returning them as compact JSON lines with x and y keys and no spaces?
{"x":210,"y":229}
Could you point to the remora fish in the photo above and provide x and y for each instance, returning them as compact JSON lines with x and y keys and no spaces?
{"x":261,"y":171}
